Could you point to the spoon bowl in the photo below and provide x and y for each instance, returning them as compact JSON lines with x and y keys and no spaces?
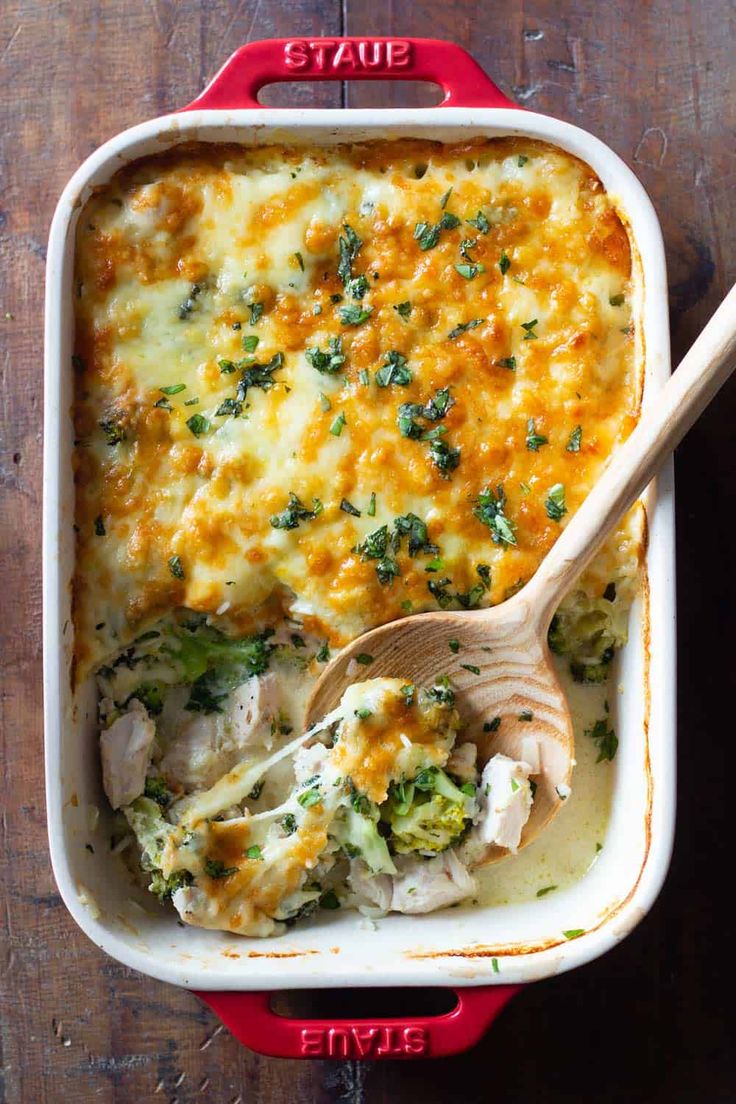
{"x":514,"y":704}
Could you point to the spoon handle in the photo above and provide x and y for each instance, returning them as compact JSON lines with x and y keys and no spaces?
{"x":663,"y":424}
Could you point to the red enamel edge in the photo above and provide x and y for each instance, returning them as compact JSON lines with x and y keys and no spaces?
{"x":251,"y":1020}
{"x":275,"y":60}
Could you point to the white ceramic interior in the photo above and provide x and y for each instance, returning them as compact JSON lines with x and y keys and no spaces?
{"x":457,"y":947}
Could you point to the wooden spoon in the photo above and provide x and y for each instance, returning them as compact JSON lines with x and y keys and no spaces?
{"x":508,"y":643}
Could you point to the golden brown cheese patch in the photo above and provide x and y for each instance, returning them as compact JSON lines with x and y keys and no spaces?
{"x":184,"y":260}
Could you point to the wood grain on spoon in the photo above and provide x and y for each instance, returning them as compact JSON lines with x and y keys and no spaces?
{"x":507,"y":645}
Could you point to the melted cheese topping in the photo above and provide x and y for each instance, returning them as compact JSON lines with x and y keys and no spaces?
{"x":183,"y":260}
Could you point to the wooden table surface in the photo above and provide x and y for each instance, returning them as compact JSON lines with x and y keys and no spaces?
{"x":650,"y":1021}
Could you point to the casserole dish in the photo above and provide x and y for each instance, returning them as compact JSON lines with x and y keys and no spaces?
{"x":485,"y":953}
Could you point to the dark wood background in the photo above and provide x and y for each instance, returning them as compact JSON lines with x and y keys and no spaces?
{"x":652,"y":1021}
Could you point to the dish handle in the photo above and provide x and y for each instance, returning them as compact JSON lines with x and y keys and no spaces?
{"x":252,"y":1021}
{"x":276,"y":60}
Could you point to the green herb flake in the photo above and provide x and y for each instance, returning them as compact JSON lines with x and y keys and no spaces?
{"x":250,"y":342}
{"x":371,"y":508}
{"x":605,"y":739}
{"x":526,"y":715}
{"x":573,"y":445}
{"x":463,"y":327}
{"x":494,"y":964}
{"x":329,"y":362}
{"x":364,"y":659}
{"x":573,"y":933}
{"x":445,"y":197}
{"x":192,"y":402}
{"x":522,"y":160}
{"x":469,"y":271}
{"x":489,"y":509}
{"x":617,"y":300}
{"x":198,"y":424}
{"x":353,"y":315}
{"x":554,"y":503}
{"x":534,"y":440}
{"x":324,"y":403}
{"x":507,"y":362}
{"x":394,"y":370}
{"x":175,"y":567}
{"x":323,"y":655}
{"x":173,"y":389}
{"x":348,"y":508}
{"x":295,"y":513}
{"x":299,"y":260}
{"x":403,"y":309}
{"x":529,"y":327}
{"x":254,"y":852}
{"x":337,"y":425}
{"x":454,"y":646}
{"x":309,"y":797}
{"x":545,"y":890}
{"x":504,"y":262}
{"x":215,"y":868}
{"x":480,"y":222}
{"x":470,"y":667}
{"x":492,"y":726}
{"x":363,"y":713}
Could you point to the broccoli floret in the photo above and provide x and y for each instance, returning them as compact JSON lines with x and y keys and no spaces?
{"x":165,"y":888}
{"x":158,"y":791}
{"x":151,"y":830}
{"x":429,"y":813}
{"x":150,"y":695}
{"x":588,"y":630}
{"x":358,"y":836}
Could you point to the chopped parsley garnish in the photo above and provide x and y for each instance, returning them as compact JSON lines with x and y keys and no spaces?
{"x":394,"y":370}
{"x":198,"y":424}
{"x":444,"y":457}
{"x":364,"y":659}
{"x":288,"y":823}
{"x":363,"y":713}
{"x":442,"y":692}
{"x":192,"y":402}
{"x":258,"y":375}
{"x":339,"y":422}
{"x":250,"y":342}
{"x":299,"y":260}
{"x":438,"y":589}
{"x":454,"y":646}
{"x":371,"y":509}
{"x":407,"y":692}
{"x":522,"y":160}
{"x":309,"y":797}
{"x":353,"y":315}
{"x":489,"y":509}
{"x":480,"y":222}
{"x":217,"y":869}
{"x":464,"y":327}
{"x":416,"y":530}
{"x":554,"y":503}
{"x":257,"y":790}
{"x":605,"y":739}
{"x":324,"y":653}
{"x":163,"y":404}
{"x":324,"y":403}
{"x":375,"y":544}
{"x":254,"y":852}
{"x":445,"y":197}
{"x":526,"y":715}
{"x":492,"y":726}
{"x":534,"y":440}
{"x":329,"y":362}
{"x":545,"y":890}
{"x":507,"y":362}
{"x":349,"y":247}
{"x":226,"y":367}
{"x":348,"y":508}
{"x":504,"y":262}
{"x":295,"y":513}
{"x":484,"y":573}
{"x":99,"y":526}
{"x":256,"y":310}
{"x":494,"y":964}
{"x":573,"y":933}
{"x":188,"y":305}
{"x":403,"y":309}
{"x":229,"y":406}
{"x":357,"y":287}
{"x":427,"y":234}
{"x":173,"y":389}
{"x":617,"y":300}
{"x":175,"y":567}
{"x":113,"y":429}
{"x":470,"y":667}
{"x":573,"y":445}
{"x":469,"y":271}
{"x":529,"y":327}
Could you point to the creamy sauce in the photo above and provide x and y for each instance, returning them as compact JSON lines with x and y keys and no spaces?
{"x":568,"y":847}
